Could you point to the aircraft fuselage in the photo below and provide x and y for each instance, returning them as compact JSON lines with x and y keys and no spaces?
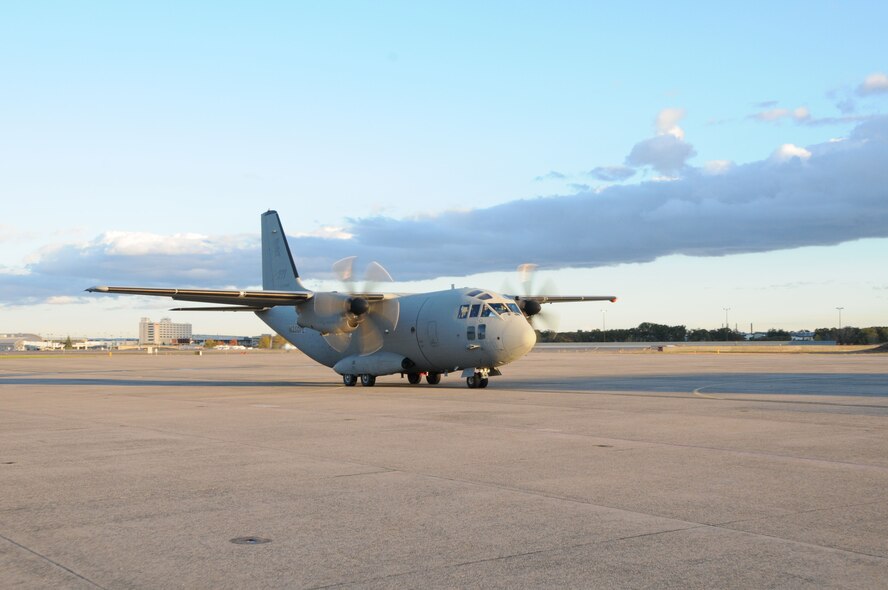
{"x":438,"y":332}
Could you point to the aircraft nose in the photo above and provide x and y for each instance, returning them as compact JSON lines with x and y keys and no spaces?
{"x":519,"y":337}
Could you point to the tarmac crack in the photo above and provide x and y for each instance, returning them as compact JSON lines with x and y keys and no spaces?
{"x":52,"y":561}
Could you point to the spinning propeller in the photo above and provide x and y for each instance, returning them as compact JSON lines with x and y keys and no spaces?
{"x":528,"y":300}
{"x":357,"y":318}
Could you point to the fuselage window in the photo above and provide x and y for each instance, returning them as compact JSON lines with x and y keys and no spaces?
{"x":514,"y":307}
{"x":463,"y":311}
{"x":482,"y":331}
{"x":470,"y":333}
{"x":476,"y":308}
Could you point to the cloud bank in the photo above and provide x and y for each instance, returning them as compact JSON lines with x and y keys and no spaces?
{"x":819,"y":195}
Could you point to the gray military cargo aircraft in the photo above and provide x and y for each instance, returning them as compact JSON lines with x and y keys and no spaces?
{"x":363,"y":335}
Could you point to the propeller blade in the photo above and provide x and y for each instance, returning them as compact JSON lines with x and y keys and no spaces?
{"x":327,"y":304}
{"x":386,"y":313}
{"x":344,"y":269}
{"x":369,"y":336}
{"x":376,"y":273}
{"x":338,"y":341}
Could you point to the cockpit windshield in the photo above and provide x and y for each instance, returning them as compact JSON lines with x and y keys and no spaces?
{"x":499,"y":308}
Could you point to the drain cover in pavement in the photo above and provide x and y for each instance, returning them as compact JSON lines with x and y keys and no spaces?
{"x":250,"y":540}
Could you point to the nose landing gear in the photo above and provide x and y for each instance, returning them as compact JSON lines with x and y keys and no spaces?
{"x":477,"y":381}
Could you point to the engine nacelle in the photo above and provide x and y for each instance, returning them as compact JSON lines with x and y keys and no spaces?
{"x":334,"y":317}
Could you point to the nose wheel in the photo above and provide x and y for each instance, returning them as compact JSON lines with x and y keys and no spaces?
{"x":477,"y":381}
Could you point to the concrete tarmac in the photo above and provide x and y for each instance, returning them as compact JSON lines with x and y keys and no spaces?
{"x":575,"y":469}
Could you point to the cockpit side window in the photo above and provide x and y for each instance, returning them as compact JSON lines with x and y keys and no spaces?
{"x":476,"y":308}
{"x":463,"y":311}
{"x":485,"y":313}
{"x":514,"y":307}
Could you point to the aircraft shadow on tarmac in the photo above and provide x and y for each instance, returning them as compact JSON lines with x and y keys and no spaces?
{"x":833,"y":384}
{"x":96,"y":382}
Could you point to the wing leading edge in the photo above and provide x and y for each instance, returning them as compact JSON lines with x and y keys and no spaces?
{"x":568,"y":298}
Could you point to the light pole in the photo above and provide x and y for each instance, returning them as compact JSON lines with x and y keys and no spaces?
{"x":603,"y":325}
{"x":727,"y":325}
{"x":840,"y":316}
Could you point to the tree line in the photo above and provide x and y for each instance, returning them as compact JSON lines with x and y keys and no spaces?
{"x":651,"y":332}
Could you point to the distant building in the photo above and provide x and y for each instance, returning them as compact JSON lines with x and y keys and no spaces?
{"x":164,"y":332}
{"x":802,"y":335}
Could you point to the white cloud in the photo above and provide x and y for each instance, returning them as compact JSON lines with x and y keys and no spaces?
{"x":876,"y":83}
{"x":65,"y":300}
{"x":788,"y":151}
{"x":667,"y":122}
{"x":142,"y":243}
{"x":330,"y":232}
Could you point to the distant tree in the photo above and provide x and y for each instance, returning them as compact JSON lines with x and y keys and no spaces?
{"x":278,"y":342}
{"x":699,"y":335}
{"x":68,"y":344}
{"x":210,"y":343}
{"x":265,"y":341}
{"x":777,"y":335}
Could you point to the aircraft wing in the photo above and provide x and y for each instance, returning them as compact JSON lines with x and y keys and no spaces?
{"x":247,"y":299}
{"x":568,"y":298}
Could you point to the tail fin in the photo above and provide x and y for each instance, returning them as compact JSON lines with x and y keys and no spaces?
{"x":278,"y":270}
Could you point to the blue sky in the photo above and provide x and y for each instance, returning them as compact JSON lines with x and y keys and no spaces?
{"x":686,"y":157}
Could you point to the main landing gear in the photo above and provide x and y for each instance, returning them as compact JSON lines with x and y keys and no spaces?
{"x":366,"y":380}
{"x":431,"y":378}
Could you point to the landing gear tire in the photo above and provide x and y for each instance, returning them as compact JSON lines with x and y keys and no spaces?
{"x":476,"y":381}
{"x":349,"y":380}
{"x":368,"y":380}
{"x":433,"y":378}
{"x":414,"y":378}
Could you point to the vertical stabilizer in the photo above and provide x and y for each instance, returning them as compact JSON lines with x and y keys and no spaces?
{"x":278,"y":270}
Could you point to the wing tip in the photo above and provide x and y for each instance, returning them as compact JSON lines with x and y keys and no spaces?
{"x":97,"y":290}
